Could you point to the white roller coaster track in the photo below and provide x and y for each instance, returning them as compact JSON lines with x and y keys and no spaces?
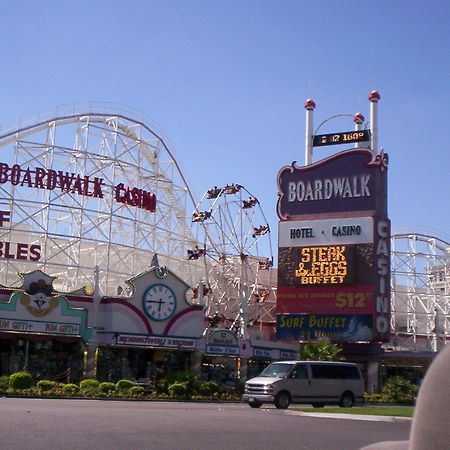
{"x":420,"y":291}
{"x":78,"y":232}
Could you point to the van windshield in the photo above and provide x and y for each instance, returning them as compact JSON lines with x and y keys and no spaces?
{"x":276,"y":370}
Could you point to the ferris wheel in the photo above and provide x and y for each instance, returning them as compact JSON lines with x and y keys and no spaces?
{"x":237,"y":254}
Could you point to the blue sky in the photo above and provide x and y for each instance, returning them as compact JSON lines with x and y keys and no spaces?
{"x":226,"y":81}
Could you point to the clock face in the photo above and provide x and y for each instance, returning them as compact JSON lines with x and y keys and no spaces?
{"x":159,"y":302}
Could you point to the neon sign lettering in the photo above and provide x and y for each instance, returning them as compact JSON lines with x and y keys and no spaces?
{"x":69,"y":182}
{"x":382,"y":302}
{"x":322,"y":265}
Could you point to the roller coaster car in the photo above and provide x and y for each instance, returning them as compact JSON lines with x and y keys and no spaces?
{"x":201,"y":216}
{"x":195,"y":253}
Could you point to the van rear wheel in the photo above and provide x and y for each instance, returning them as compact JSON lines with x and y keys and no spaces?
{"x":282,"y":400}
{"x":255,"y":404}
{"x":346,"y":400}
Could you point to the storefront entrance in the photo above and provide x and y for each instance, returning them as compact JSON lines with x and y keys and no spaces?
{"x":411,"y":369}
{"x":114,"y":364}
{"x":220,"y":369}
{"x":44,"y":357}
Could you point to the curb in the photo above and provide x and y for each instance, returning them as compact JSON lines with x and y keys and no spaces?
{"x":366,"y":417}
{"x":118,"y":399}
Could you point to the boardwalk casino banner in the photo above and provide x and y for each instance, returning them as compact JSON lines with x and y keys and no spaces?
{"x":334,"y":249}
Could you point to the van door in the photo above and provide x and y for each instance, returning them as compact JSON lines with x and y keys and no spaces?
{"x":298,"y":383}
{"x":325,"y":387}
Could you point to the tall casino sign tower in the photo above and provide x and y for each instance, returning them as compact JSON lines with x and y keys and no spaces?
{"x":334,"y":238}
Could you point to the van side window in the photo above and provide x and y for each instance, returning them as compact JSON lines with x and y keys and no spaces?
{"x":300,"y":371}
{"x":349,"y":372}
{"x":323,"y":371}
{"x":330,"y":371}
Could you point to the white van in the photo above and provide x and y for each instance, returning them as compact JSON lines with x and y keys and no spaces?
{"x":313,"y":382}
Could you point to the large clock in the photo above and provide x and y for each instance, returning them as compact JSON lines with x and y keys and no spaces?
{"x":159,"y":301}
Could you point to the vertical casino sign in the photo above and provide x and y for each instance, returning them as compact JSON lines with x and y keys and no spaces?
{"x":334,"y":249}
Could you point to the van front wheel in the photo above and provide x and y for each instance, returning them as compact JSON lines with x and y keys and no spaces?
{"x":282,"y":400}
{"x":346,"y":400}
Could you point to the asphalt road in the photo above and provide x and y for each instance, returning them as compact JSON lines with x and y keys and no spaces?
{"x":95,"y":424}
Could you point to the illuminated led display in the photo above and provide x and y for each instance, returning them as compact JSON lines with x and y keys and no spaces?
{"x":325,"y":266}
{"x":322,"y":265}
{"x":345,"y":137}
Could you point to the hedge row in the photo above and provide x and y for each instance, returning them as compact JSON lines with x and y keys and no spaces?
{"x":177,"y":386}
{"x":22,"y":383}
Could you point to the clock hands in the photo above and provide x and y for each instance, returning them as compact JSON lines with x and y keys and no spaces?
{"x":159,"y":302}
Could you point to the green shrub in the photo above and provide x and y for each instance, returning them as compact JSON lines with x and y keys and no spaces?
{"x":239,"y":388}
{"x":46,"y":385}
{"x":400,"y":390}
{"x":208,"y":388}
{"x":20,"y":380}
{"x":70,"y":389}
{"x":371,"y":398}
{"x":31,"y":392}
{"x":161,"y":386}
{"x":230,"y":395}
{"x":181,"y":376}
{"x":124,"y":385}
{"x":320,"y":350}
{"x":188,"y":378}
{"x":137,"y":391}
{"x":4,"y":384}
{"x":177,"y":390}
{"x":376,"y":398}
{"x":89,"y":383}
{"x":89,"y":387}
{"x":107,"y":387}
{"x":162,"y":396}
{"x":90,"y":391}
